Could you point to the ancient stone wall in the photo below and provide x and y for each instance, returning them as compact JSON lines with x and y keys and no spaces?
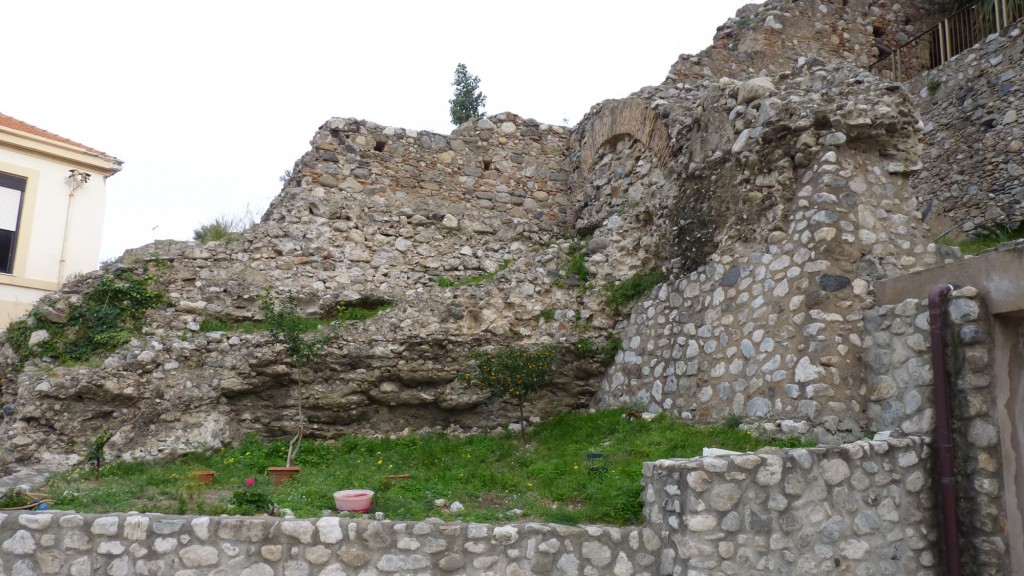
{"x":793,"y":207}
{"x":973,"y":114}
{"x":501,"y":167}
{"x":771,"y":205}
{"x":861,"y":508}
{"x":372,"y":215}
{"x":775,"y":35}
{"x":900,"y":398}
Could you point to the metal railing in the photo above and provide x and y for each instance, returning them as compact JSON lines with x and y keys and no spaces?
{"x":936,"y":46}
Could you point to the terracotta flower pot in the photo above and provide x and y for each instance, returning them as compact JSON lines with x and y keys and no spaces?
{"x":281,"y":474}
{"x":353,"y":500}
{"x":204,"y":476}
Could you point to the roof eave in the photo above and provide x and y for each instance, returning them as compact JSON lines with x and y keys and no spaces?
{"x":78,"y":156}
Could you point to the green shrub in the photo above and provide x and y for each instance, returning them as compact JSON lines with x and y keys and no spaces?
{"x":251,"y":500}
{"x":583,"y":347}
{"x":224,"y":227}
{"x":576,"y":265}
{"x":623,"y":294}
{"x":107,"y":317}
{"x":611,"y":347}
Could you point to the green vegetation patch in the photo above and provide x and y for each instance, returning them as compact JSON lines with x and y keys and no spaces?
{"x":359,"y":313}
{"x":623,"y":294}
{"x":449,"y":283}
{"x":987,"y":237}
{"x":302,"y":324}
{"x":549,"y":479}
{"x":108,"y":316}
{"x":604,"y":352}
{"x":224,"y":228}
{"x":576,"y":264}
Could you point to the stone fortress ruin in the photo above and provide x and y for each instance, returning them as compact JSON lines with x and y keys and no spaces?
{"x":791,"y":200}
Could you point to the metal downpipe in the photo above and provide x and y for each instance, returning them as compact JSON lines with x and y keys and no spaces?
{"x":944,"y":429}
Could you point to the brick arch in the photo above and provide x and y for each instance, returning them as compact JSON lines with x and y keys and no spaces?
{"x":628,"y":117}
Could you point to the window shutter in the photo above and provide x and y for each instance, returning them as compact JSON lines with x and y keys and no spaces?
{"x":10,"y":204}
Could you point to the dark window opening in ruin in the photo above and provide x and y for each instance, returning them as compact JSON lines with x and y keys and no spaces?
{"x":487,"y":165}
{"x":12,"y":189}
{"x":380,"y":145}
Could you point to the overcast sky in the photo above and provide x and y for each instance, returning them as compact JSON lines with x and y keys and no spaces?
{"x":208,"y":102}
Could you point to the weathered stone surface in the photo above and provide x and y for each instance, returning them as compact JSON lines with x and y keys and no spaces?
{"x":755,"y":89}
{"x":353,"y":556}
{"x":833,"y":283}
{"x":20,"y":543}
{"x":105,"y":526}
{"x":451,"y":562}
{"x":199,"y":555}
{"x":396,"y":563}
{"x":257,"y":569}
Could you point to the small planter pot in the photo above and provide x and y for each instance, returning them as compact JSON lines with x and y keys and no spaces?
{"x":353,"y":500}
{"x":204,"y":476}
{"x":281,"y":474}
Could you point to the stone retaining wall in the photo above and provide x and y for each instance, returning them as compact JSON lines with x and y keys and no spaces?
{"x":861,"y":508}
{"x":73,"y":544}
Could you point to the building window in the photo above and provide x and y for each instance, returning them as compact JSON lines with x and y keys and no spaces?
{"x":12,"y":189}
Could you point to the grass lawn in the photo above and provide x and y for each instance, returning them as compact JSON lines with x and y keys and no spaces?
{"x":550,"y":479}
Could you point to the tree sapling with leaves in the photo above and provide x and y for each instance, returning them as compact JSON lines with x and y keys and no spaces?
{"x":303,"y":341}
{"x":514,"y":372}
{"x":96,"y":454}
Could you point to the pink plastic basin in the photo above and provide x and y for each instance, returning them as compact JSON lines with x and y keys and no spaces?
{"x":353,"y":500}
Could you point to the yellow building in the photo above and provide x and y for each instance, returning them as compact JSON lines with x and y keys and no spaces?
{"x":52,"y":198}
